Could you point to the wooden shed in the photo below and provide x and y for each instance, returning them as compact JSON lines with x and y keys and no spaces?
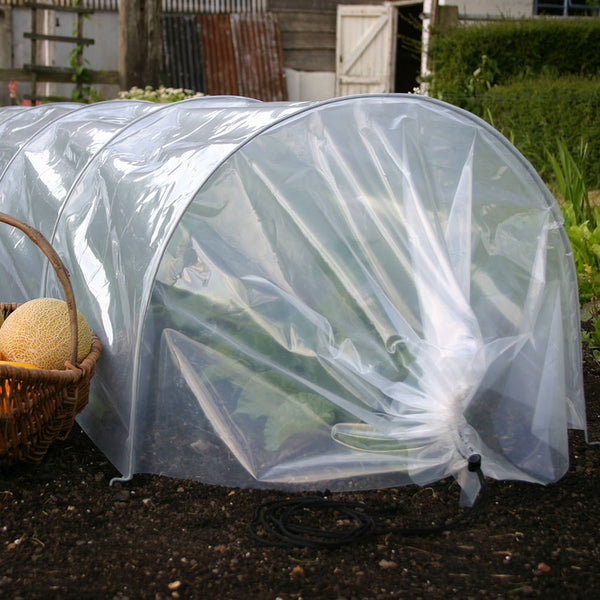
{"x":372,"y":46}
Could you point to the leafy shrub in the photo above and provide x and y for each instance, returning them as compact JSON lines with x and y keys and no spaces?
{"x":161,"y":94}
{"x":534,"y":112}
{"x":533,"y":79}
{"x":515,"y":49}
{"x":582,"y":224}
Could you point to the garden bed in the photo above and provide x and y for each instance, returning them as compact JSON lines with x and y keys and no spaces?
{"x":65,"y":533}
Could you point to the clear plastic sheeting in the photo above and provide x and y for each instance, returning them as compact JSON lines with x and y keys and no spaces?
{"x":347,"y":294}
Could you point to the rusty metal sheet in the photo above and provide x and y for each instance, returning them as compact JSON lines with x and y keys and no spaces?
{"x":237,"y":54}
{"x":259,"y":56}
{"x":243,"y":55}
{"x":218,"y":54}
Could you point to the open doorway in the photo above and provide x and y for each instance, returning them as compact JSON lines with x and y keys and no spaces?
{"x":408,"y":46}
{"x":378,"y":47}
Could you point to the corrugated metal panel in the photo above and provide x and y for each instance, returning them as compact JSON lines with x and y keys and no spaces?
{"x":182,"y":55}
{"x":241,"y":55}
{"x":259,"y":56}
{"x":218,"y":54}
{"x":214,"y":6}
{"x":168,"y":6}
{"x":91,"y":4}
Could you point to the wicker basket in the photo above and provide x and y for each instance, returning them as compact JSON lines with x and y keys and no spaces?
{"x":38,"y":406}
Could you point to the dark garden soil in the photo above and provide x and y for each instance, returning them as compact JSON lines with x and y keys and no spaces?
{"x":65,"y":533}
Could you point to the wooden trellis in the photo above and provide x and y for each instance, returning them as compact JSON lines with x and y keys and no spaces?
{"x":47,"y":73}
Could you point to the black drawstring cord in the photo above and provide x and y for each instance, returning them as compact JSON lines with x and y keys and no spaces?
{"x":280,"y":525}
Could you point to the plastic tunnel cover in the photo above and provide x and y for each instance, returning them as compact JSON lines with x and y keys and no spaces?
{"x":42,"y":153}
{"x":346,"y":294}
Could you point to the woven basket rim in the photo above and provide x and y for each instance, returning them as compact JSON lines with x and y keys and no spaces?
{"x":70,"y":374}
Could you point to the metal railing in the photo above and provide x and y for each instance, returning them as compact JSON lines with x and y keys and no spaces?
{"x":168,"y":6}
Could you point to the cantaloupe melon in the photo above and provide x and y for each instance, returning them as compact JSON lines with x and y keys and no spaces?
{"x":16,"y":363}
{"x":38,"y":332}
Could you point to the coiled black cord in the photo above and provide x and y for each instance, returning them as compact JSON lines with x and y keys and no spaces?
{"x":276,"y":523}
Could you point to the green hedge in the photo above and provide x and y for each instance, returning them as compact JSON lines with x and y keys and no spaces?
{"x":536,"y":80}
{"x":468,"y":59}
{"x":534,"y":113}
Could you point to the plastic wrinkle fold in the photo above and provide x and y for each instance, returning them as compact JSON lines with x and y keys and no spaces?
{"x":348,"y":294}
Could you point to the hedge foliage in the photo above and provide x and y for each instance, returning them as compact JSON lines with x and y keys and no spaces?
{"x":513,"y":49}
{"x":535,"y":113}
{"x":536,"y":80}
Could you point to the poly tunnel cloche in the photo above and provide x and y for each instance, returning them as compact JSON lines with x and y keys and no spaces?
{"x":347,"y":294}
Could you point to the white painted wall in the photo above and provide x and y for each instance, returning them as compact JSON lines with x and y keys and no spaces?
{"x":304,"y":85}
{"x":103,"y":27}
{"x":512,"y":8}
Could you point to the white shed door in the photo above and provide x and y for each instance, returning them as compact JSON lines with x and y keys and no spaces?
{"x":366,"y":49}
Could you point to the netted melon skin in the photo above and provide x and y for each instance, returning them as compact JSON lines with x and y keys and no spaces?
{"x":38,"y":332}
